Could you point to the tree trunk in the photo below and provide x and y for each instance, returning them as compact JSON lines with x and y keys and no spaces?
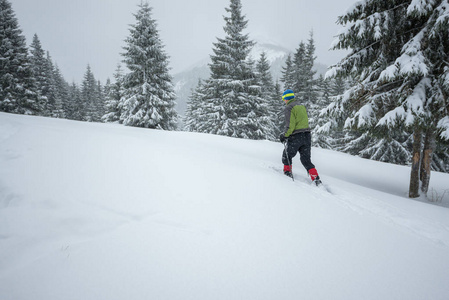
{"x":429,"y":146}
{"x":416,"y":156}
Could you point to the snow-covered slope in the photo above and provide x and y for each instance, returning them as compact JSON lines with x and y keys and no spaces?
{"x":101,"y":211}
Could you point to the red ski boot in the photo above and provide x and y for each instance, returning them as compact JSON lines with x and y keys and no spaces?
{"x":288,"y":171}
{"x":314,"y":175}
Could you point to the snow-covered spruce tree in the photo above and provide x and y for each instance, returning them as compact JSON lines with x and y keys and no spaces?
{"x":323,"y":100}
{"x":17,"y":86}
{"x":89,"y":96}
{"x":77,"y":102}
{"x":61,"y":94}
{"x":42,"y":74}
{"x":113,"y":96}
{"x":329,"y":130}
{"x":300,"y":72}
{"x":338,"y":86}
{"x":52,"y":92}
{"x":288,"y":74}
{"x":440,"y":159}
{"x":232,"y":103}
{"x":195,"y":119}
{"x":278,"y":106}
{"x":106,"y":92}
{"x":264,"y":76}
{"x":399,"y":53}
{"x":149,"y":97}
{"x":69,"y":105}
{"x":99,"y":104}
{"x":310,"y":88}
{"x":269,"y":93}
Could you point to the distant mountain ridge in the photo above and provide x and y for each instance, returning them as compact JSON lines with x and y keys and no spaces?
{"x":186,"y":81}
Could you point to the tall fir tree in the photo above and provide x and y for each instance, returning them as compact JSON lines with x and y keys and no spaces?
{"x":62,"y":92}
{"x":264,"y":76}
{"x":106,"y":92}
{"x":270,"y":93}
{"x":399,"y":59}
{"x":310,"y":88}
{"x":288,"y":74}
{"x":70,"y":105}
{"x":194,"y":119}
{"x":149,"y":97}
{"x":99,"y":103}
{"x":113,"y":96}
{"x":299,"y":68}
{"x":338,"y":86}
{"x":77,"y":103}
{"x":89,"y":96}
{"x":319,"y":138}
{"x":42,"y":74}
{"x":17,"y":85}
{"x":52,"y":92}
{"x":232,"y":98}
{"x":278,"y":107}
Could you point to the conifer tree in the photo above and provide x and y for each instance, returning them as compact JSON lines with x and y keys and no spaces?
{"x":77,"y":102}
{"x":310,"y":88}
{"x":149,"y":97}
{"x":70,"y":104}
{"x":269,"y":93}
{"x":113,"y":96}
{"x":99,"y":103}
{"x":278,"y":106}
{"x":264,"y":75}
{"x":288,"y":74}
{"x":440,"y":160}
{"x":106,"y":92}
{"x":51,"y":93}
{"x":398,"y":57}
{"x":41,"y":73}
{"x":17,"y":86}
{"x":338,"y":86}
{"x":324,"y":89}
{"x":61,"y":94}
{"x":89,"y":96}
{"x":299,"y":72}
{"x":194,"y":119}
{"x":232,"y":101}
{"x":319,"y":138}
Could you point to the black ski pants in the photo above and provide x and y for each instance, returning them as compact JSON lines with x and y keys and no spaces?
{"x":300,"y":142}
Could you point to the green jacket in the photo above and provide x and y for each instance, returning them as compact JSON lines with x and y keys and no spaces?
{"x":296,"y":119}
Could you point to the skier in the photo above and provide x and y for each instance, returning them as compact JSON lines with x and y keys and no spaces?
{"x":298,"y":137}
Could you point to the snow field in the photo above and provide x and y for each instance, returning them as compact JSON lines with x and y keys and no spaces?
{"x":102,"y":211}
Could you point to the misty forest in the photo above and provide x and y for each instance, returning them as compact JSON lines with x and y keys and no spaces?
{"x":387,"y":100}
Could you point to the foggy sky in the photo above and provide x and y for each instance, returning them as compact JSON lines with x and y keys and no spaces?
{"x":81,"y":32}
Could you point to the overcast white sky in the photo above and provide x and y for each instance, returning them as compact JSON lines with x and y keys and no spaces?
{"x":81,"y":32}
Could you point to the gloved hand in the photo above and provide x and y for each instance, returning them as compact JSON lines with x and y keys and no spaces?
{"x":282,"y":138}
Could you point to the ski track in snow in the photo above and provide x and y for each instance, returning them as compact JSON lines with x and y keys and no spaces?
{"x":362,"y":204}
{"x":425,"y":228}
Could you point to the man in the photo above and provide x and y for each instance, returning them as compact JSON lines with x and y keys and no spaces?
{"x":298,"y":137}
